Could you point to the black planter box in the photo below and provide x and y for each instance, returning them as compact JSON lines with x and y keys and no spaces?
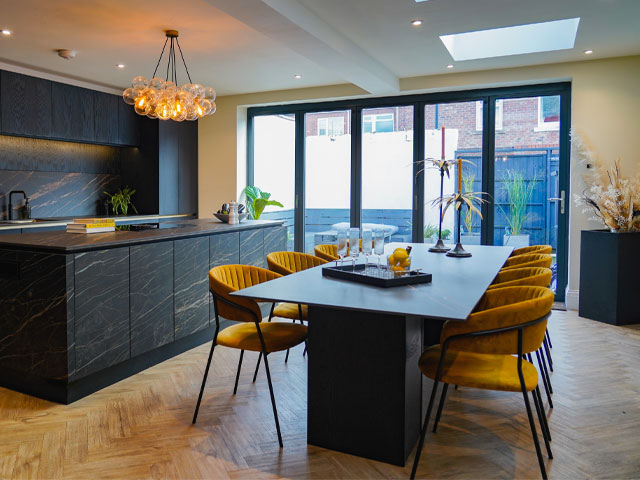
{"x":610,"y":277}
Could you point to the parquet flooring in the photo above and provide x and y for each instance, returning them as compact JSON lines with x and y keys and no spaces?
{"x":141,"y":427}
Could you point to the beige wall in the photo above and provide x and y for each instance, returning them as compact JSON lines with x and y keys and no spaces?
{"x":605,"y":102}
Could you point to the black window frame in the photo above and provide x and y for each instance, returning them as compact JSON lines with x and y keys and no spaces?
{"x":418,"y":101}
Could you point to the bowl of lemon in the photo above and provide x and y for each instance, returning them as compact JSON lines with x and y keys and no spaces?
{"x":399,"y":262}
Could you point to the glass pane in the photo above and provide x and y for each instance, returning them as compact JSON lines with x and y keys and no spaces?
{"x":527,"y":174}
{"x":327,"y":176}
{"x":387,"y":172}
{"x":462,"y":139}
{"x":274,"y":166}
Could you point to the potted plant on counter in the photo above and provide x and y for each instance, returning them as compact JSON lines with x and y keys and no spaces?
{"x":609,"y":260}
{"x":119,"y":203}
{"x":519,"y":191}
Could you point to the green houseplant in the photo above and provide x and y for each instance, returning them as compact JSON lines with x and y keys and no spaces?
{"x":257,"y":200}
{"x":469,"y":221}
{"x":121,"y":201}
{"x":519,"y":192}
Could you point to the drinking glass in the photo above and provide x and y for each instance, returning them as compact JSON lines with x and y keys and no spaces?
{"x":367,"y":246}
{"x":354,"y":245}
{"x":378,"y":244}
{"x":342,"y":246}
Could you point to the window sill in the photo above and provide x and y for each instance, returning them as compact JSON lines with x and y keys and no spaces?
{"x":547,"y":128}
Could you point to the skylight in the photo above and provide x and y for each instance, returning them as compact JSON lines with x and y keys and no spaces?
{"x":499,"y":42}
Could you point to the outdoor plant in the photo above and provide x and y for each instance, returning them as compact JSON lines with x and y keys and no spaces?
{"x":432,"y":231}
{"x":612,"y":198}
{"x":257,"y":200}
{"x":467,"y":182}
{"x":519,"y":192}
{"x":121,"y":201}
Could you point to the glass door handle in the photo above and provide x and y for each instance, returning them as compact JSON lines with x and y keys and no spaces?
{"x":559,"y":199}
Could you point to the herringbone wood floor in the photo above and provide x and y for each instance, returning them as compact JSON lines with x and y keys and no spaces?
{"x":141,"y":427}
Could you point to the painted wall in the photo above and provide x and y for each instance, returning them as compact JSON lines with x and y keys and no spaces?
{"x":605,"y":105}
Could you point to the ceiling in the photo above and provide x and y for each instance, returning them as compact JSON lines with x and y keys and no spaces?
{"x":241,"y":46}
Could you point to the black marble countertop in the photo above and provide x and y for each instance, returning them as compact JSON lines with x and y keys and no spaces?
{"x":62,"y":221}
{"x":63,"y":242}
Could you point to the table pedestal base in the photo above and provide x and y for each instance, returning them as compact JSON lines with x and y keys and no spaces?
{"x":364,"y":385}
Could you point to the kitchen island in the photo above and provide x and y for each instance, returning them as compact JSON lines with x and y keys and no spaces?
{"x":80,"y":312}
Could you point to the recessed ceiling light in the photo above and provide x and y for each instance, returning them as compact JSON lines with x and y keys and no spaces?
{"x":297,"y":76}
{"x":588,"y":52}
{"x":5,"y":32}
{"x":516,"y":40}
{"x":121,"y":65}
{"x":449,"y":66}
{"x":416,"y":23}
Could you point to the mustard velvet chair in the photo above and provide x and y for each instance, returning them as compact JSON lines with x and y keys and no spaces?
{"x":286,"y":263}
{"x":533,"y":277}
{"x":479,"y":353}
{"x":527,"y":277}
{"x":530,"y":260}
{"x":532,"y":249}
{"x":327,"y":252}
{"x":251,"y":333}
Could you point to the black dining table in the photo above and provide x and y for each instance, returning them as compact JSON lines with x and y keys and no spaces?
{"x":364,"y":342}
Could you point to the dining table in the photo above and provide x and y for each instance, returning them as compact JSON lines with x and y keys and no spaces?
{"x":364,"y":386}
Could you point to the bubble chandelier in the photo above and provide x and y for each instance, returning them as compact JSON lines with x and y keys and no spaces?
{"x":162,"y":98}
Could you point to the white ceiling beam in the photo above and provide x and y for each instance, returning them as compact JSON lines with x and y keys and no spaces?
{"x":295,"y":26}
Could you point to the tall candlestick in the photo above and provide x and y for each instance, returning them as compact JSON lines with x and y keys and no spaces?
{"x":459,"y":175}
{"x":443,"y":156}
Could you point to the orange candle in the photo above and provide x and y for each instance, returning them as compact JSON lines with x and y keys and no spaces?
{"x":459,"y":175}
{"x":443,"y":143}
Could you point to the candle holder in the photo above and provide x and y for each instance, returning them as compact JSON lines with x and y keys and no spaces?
{"x":439,"y":246}
{"x":458,"y":250}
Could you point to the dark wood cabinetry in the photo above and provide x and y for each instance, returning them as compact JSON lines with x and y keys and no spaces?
{"x":72,"y":113}
{"x":128,"y":125}
{"x":26,"y":105}
{"x":105,"y":121}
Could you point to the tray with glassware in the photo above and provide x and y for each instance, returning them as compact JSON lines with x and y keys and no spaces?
{"x":396,"y":272}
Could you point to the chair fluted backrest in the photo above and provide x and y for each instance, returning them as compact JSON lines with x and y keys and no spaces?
{"x":532,"y":260}
{"x":532,"y":249}
{"x":518,"y":277}
{"x":286,"y":263}
{"x":326,"y":251}
{"x":229,"y":278}
{"x":499,"y":308}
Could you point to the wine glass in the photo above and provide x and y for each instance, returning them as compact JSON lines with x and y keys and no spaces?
{"x":378,"y":244}
{"x":342,"y":246}
{"x":367,"y":246}
{"x":354,"y":245}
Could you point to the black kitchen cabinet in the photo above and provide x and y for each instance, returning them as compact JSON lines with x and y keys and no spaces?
{"x":168,"y":166}
{"x":105,"y":123}
{"x":72,"y":113}
{"x":188,"y":167}
{"x":128,"y":125}
{"x":26,"y":105}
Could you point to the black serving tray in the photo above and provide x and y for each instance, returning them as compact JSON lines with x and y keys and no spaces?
{"x":347,"y":273}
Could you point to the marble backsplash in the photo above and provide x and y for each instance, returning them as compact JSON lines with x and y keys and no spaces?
{"x":60,"y":178}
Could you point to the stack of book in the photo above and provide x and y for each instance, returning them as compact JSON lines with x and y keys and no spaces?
{"x":92,"y":225}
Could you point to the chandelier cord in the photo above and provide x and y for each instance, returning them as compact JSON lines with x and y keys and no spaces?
{"x":160,"y":59}
{"x":183,"y":61}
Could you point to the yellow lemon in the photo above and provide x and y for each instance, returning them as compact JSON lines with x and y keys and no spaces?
{"x":405,"y":263}
{"x":391,"y":260}
{"x":400,"y":255}
{"x":398,"y":270}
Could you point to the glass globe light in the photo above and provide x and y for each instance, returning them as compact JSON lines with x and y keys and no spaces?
{"x":191,"y":113}
{"x":156,"y":82}
{"x":140,"y":81}
{"x":163,"y":110}
{"x":197,"y":90}
{"x":129,"y":96}
{"x":213,"y":108}
{"x":152,"y":112}
{"x":142,"y":107}
{"x":168,"y":84}
{"x":206,"y":106}
{"x":209,"y":94}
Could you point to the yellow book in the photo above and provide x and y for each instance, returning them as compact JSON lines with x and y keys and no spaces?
{"x":87,"y":221}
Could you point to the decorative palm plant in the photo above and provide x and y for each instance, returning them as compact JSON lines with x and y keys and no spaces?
{"x":470,"y":199}
{"x":519,"y":192}
{"x":257,"y":200}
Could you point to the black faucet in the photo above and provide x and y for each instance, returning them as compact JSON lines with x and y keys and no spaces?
{"x":27,"y":207}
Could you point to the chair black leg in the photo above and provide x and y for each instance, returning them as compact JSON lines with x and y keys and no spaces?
{"x":545,"y":374}
{"x":544,"y":417}
{"x":546,"y":334}
{"x":204,"y":381}
{"x":543,"y":470}
{"x":423,"y":433}
{"x":440,"y":405}
{"x":273,"y":399}
{"x":545,"y":435}
{"x":235,"y":387}
{"x":255,"y":374}
{"x":546,"y":350}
